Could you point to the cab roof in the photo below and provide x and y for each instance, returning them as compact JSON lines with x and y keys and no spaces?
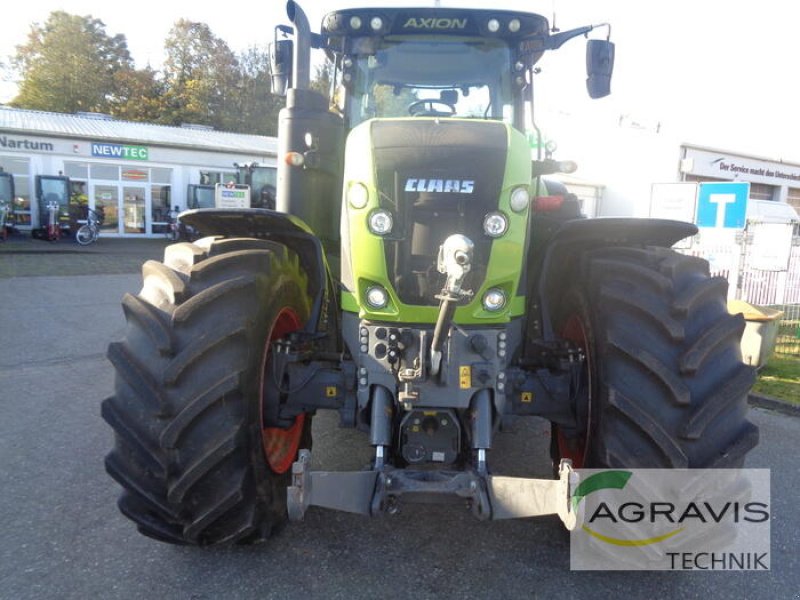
{"x":379,"y":22}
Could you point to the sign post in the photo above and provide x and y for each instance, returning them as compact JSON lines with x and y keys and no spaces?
{"x":722,"y":204}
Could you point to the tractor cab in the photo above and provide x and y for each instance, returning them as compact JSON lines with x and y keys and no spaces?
{"x":439,"y":62}
{"x":53,"y":196}
{"x":262,"y":180}
{"x":432,"y":63}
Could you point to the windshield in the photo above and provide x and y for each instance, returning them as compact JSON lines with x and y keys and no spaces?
{"x":460,"y":78}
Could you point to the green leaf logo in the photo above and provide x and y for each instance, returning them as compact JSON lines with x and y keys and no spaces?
{"x":615,"y":480}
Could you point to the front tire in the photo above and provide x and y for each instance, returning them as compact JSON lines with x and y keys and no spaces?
{"x":85,"y":235}
{"x":196,"y":463}
{"x":664,"y":384}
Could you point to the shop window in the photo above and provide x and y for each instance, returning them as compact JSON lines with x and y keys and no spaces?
{"x":761,"y":191}
{"x":20,"y":169}
{"x":210,"y":177}
{"x":15,"y":166}
{"x":793,"y":198}
{"x":107,"y":172}
{"x":158,"y":175}
{"x":78,"y":201}
{"x":214,"y":177}
{"x":76,"y":170}
{"x":161,"y":204}
{"x":131,"y":174}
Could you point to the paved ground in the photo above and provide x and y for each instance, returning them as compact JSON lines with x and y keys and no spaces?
{"x":21,"y":256}
{"x":62,"y":536}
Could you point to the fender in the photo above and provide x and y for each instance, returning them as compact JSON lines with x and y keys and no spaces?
{"x":552,"y":273}
{"x":293,"y":233}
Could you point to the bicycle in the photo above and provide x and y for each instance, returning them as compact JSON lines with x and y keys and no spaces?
{"x":88,"y":233}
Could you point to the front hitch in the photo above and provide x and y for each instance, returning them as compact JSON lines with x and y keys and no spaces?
{"x":455,"y":260}
{"x":490,"y":497}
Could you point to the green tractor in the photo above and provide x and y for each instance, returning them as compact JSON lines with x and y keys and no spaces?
{"x":419,"y":277}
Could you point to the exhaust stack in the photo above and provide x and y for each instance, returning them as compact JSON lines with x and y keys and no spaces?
{"x":301,"y":76}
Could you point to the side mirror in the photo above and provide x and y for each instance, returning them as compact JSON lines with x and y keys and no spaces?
{"x":599,"y":66}
{"x":280,"y":63}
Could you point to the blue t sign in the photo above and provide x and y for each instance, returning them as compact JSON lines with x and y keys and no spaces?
{"x":722,"y":205}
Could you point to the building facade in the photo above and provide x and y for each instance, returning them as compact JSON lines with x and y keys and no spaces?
{"x":771,"y":180}
{"x":135,"y":172}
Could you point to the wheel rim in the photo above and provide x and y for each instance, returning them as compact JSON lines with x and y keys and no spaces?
{"x":575,"y":449}
{"x":280,"y":445}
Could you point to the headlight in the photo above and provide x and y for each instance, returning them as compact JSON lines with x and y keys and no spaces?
{"x":355,"y":22}
{"x":494,"y":299}
{"x":376,"y":23}
{"x":514,"y":25}
{"x":377,"y":297}
{"x":495,"y":224}
{"x":493,"y":25}
{"x":520,"y":199}
{"x":357,"y":195}
{"x":380,"y":222}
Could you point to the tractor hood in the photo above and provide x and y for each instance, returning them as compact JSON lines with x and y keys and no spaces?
{"x":425,"y":180}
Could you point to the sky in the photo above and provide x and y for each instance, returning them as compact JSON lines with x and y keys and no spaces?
{"x":717,"y":73}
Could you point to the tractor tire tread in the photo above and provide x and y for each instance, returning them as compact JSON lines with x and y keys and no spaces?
{"x":188,"y":451}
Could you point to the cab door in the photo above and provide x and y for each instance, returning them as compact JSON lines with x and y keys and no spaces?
{"x":53,"y":190}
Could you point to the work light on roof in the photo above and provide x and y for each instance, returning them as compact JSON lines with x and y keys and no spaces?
{"x":493,"y":25}
{"x":355,"y":22}
{"x":376,"y":23}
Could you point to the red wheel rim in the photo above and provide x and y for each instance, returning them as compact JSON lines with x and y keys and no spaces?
{"x":575,"y":448}
{"x":280,"y":445}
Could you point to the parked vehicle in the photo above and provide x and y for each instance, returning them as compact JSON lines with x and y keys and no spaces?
{"x":53,"y":196}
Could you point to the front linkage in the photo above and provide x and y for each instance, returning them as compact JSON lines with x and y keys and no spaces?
{"x":430,"y":397}
{"x":375,"y":492}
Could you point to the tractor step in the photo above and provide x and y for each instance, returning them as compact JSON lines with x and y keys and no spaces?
{"x":373,"y":492}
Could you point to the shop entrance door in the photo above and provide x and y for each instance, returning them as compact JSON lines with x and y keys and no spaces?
{"x":134,"y":209}
{"x":123,"y":206}
{"x":105,"y":200}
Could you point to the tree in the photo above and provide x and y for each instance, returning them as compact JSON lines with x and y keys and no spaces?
{"x":256,"y":109}
{"x":69,"y":64}
{"x":200,"y":74}
{"x":323,"y":76}
{"x":139,"y":95}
